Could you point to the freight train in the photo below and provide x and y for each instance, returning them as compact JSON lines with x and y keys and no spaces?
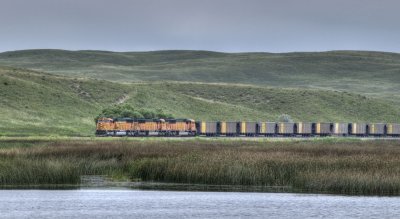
{"x":189,"y":127}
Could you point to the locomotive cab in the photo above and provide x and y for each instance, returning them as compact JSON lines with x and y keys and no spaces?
{"x":104,"y":127}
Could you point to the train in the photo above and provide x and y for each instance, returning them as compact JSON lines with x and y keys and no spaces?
{"x":188,"y":127}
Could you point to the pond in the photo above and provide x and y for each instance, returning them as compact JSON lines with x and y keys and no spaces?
{"x":128,"y":203}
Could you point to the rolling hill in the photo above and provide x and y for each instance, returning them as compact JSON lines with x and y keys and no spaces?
{"x":374,"y":74}
{"x":38,"y":103}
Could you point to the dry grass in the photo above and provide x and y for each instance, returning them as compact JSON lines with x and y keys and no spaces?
{"x":334,"y":166}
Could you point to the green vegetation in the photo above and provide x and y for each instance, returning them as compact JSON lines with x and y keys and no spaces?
{"x":126,"y":110}
{"x":35,"y":103}
{"x":329,"y":165}
{"x":375,"y":74}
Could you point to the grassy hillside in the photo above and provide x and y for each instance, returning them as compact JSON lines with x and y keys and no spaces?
{"x":35,"y":103}
{"x":370,"y":73}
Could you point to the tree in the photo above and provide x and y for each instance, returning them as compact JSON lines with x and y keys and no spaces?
{"x":126,"y":110}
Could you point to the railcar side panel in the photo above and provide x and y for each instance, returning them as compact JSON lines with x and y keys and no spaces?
{"x":340,"y":129}
{"x":232,"y":128}
{"x":377,"y":129}
{"x":286,"y":128}
{"x":211,"y":128}
{"x":323,"y":128}
{"x":393,"y":129}
{"x":270,"y":128}
{"x":358,"y":129}
{"x":252,"y":128}
{"x":304,"y":128}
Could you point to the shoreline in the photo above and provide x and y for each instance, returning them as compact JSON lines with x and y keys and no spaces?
{"x":181,"y":187}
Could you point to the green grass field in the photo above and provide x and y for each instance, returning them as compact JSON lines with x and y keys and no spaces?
{"x":35,"y":103}
{"x":339,"y":166}
{"x":375,"y":74}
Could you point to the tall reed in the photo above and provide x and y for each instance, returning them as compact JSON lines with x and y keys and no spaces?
{"x":334,"y":166}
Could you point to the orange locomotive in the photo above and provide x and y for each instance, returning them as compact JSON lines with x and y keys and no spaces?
{"x":145,"y":127}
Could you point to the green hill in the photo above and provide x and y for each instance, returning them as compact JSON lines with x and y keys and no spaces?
{"x":35,"y":103}
{"x":375,"y":74}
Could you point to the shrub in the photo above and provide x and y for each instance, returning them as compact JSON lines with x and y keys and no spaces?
{"x":285,"y":118}
{"x":127,"y":110}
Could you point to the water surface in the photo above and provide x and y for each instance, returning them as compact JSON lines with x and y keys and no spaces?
{"x":119,"y":203}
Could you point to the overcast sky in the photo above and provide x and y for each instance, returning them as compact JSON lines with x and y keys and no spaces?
{"x":220,"y":25}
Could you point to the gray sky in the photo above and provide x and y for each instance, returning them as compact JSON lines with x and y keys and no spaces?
{"x":221,"y":25}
